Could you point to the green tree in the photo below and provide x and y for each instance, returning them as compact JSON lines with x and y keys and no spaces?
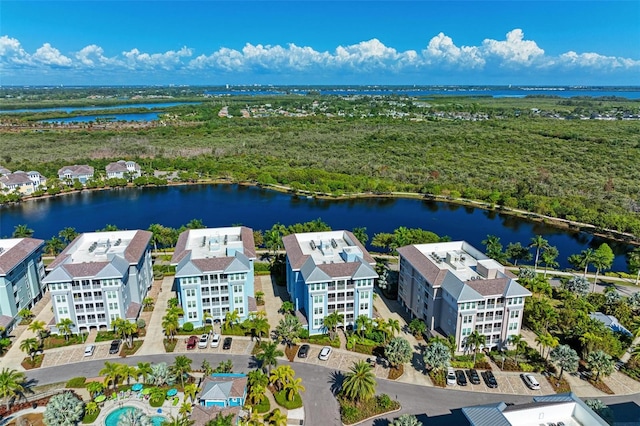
{"x":181,"y":367}
{"x":546,"y":341}
{"x":30,"y":346}
{"x":517,"y":252}
{"x":577,"y":284}
{"x":144,"y":370}
{"x":12,"y":385}
{"x":602,"y":260}
{"x":331,"y":322}
{"x":566,"y":358}
{"x":361,"y":234}
{"x":549,"y":256}
{"x":288,"y":330}
{"x":601,"y":363}
{"x":398,"y":351}
{"x":287,"y":307}
{"x":25,"y":314}
{"x":22,"y":231}
{"x":602,"y":410}
{"x":417,"y":327}
{"x":540,"y":244}
{"x":277,"y":418}
{"x":190,"y":392}
{"x":170,"y":325}
{"x":64,"y":327}
{"x":383,"y":240}
{"x":437,"y":356}
{"x":94,"y":388}
{"x":362,"y":325}
{"x":64,"y":409}
{"x":583,"y":260}
{"x":292,"y":388}
{"x":475,"y":340}
{"x":268,"y":355}
{"x":633,"y":261}
{"x":53,"y":246}
{"x":111,"y":373}
{"x":518,"y":342}
{"x":406,"y":420}
{"x":68,"y":234}
{"x":494,"y":248}
{"x":195,"y":224}
{"x":281,"y":375}
{"x":221,"y":420}
{"x":359,"y":383}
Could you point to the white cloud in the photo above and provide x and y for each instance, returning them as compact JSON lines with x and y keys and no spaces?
{"x":513,"y":50}
{"x":169,"y":60}
{"x":595,"y":60}
{"x":49,"y":55}
{"x":441,"y":49}
{"x":11,"y":52}
{"x":93,"y":55}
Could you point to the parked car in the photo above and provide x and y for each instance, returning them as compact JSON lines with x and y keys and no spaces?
{"x":473,"y":376}
{"x":192,"y":341}
{"x":490,"y":379}
{"x":451,"y":377}
{"x":215,"y":340}
{"x":226,"y":344}
{"x":115,"y":346}
{"x":303,"y":351}
{"x":461,"y":378}
{"x":325,"y":353}
{"x":89,"y":349}
{"x":204,"y":341}
{"x":530,"y":381}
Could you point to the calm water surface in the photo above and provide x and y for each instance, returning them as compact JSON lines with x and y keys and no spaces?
{"x":139,"y":116}
{"x":92,"y":108}
{"x":224,"y":205}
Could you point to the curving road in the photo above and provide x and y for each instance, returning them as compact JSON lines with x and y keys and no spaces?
{"x":433,"y":406}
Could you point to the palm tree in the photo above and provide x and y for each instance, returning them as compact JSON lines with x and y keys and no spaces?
{"x":288,"y":330}
{"x":517,"y":341}
{"x":259,"y":326}
{"x":135,"y":417}
{"x":170,"y":325}
{"x":38,"y":327}
{"x":181,"y":367}
{"x":178,"y":421}
{"x":603,"y":259}
{"x":540,"y":244}
{"x":190,"y":392}
{"x":331,"y":321}
{"x":91,"y":407}
{"x":398,"y":351}
{"x":277,"y":418}
{"x":64,"y":327}
{"x":293,"y":387}
{"x":231,"y":318}
{"x":437,"y":356}
{"x":268,"y":355}
{"x":30,"y":346}
{"x":127,"y":372}
{"x":22,"y":231}
{"x":68,"y":234}
{"x":549,"y":257}
{"x":566,"y":358}
{"x":185,"y":409}
{"x":25,"y":314}
{"x":633,"y":260}
{"x":475,"y":340}
{"x":221,"y":420}
{"x":111,"y":373}
{"x":128,"y":329}
{"x":363,"y":323}
{"x":144,"y":369}
{"x":157,"y":395}
{"x":256,"y":393}
{"x":94,"y":388}
{"x":360,"y":382}
{"x":53,"y":246}
{"x":601,"y":363}
{"x":583,"y":260}
{"x":406,"y":420}
{"x":206,"y":367}
{"x":393,"y":326}
{"x":417,"y":327}
{"x":63,"y":410}
{"x":546,"y":341}
{"x":12,"y":385}
{"x":281,"y":375}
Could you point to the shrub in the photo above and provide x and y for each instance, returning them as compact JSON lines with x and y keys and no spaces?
{"x":76,"y":382}
{"x":188,"y":327}
{"x":350,"y":414}
{"x":281,"y":399}
{"x":263,"y":407}
{"x":384,"y":401}
{"x":141,"y":323}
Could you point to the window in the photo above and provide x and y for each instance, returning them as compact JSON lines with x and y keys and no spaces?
{"x":466,"y":331}
{"x":238,"y":289}
{"x":364,"y":306}
{"x":113,"y":306}
{"x":240,"y":311}
{"x":191,"y":304}
{"x":513,"y":326}
{"x":317,"y":322}
{"x":192,"y":315}
{"x":318,"y":310}
{"x":190,"y":292}
{"x":238,"y":300}
{"x":467,"y":319}
{"x":63,"y":311}
{"x":318,"y":300}
{"x":514,"y":314}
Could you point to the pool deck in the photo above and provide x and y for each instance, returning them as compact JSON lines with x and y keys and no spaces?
{"x":109,"y":406}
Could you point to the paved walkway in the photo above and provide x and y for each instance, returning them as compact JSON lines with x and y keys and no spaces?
{"x":14,"y":356}
{"x":274,"y":295}
{"x":153,"y":341}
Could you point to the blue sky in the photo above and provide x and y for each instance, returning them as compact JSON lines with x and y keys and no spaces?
{"x":320,"y":42}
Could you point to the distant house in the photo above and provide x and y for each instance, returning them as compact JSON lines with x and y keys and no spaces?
{"x":120,"y":169}
{"x":23,"y":182}
{"x":611,"y":322}
{"x":223,"y":390}
{"x":82,"y":173}
{"x":4,"y":171}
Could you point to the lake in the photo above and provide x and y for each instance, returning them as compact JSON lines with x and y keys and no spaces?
{"x":136,"y":116}
{"x":93,"y":108}
{"x":258,"y":208}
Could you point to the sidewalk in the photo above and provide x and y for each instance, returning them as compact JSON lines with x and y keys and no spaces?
{"x":274,"y":295}
{"x":14,"y":356}
{"x":153,"y":340}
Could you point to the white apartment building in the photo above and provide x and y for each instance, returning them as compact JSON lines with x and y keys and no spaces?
{"x":214,"y":273}
{"x":99,"y":277}
{"x":456,"y":289}
{"x":327,"y":272}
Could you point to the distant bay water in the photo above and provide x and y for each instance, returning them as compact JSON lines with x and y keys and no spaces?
{"x":258,"y":208}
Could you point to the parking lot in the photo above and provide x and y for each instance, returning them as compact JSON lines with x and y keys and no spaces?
{"x":510,"y":383}
{"x":75,"y":353}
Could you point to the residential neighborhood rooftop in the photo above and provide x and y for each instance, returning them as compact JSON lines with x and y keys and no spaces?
{"x":330,"y":247}
{"x":15,"y":250}
{"x":211,"y":243}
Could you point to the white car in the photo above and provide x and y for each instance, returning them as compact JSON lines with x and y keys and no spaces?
{"x":325,"y":353}
{"x":451,"y":376}
{"x":89,"y":349}
{"x":215,"y":340}
{"x":204,"y":341}
{"x":530,"y":381}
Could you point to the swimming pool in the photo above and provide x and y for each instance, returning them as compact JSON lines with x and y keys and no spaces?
{"x":114,"y":416}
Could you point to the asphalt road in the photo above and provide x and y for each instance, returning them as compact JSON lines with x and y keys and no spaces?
{"x":433,"y":406}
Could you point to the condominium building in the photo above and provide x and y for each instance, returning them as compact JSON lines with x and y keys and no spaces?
{"x":82,"y":173}
{"x":327,"y":272}
{"x":456,"y":289}
{"x":21,"y":274}
{"x":214,"y":273}
{"x":99,"y":277}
